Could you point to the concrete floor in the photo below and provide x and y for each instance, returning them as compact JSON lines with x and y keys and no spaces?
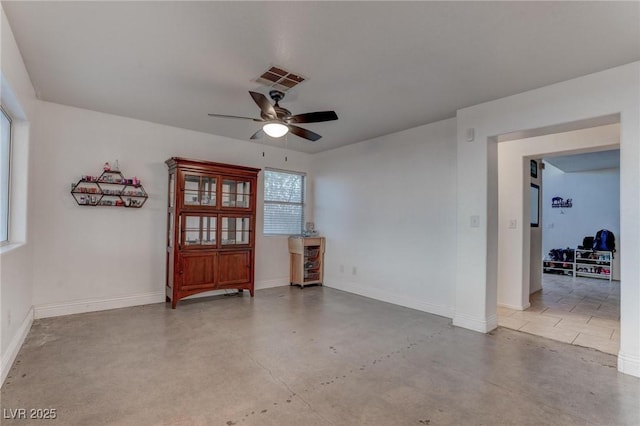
{"x":316,"y":356}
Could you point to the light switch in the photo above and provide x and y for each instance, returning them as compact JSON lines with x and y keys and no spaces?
{"x":471,"y":134}
{"x":475,"y":221}
{"x":513,"y":224}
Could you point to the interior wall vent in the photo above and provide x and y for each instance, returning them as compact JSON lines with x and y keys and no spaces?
{"x":280,"y":79}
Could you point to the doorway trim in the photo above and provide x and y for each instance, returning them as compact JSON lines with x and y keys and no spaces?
{"x":613,"y":91}
{"x":514,"y":244}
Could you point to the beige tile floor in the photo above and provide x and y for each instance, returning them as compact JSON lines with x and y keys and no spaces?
{"x":581,"y":311}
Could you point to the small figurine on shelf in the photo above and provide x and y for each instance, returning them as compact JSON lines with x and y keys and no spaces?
{"x":107,"y":167}
{"x":310,"y":230}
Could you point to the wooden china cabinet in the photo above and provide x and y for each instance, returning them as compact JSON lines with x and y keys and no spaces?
{"x":211,"y":227}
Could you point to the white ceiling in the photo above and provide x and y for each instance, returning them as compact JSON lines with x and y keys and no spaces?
{"x":586,"y":162}
{"x":382,"y":66}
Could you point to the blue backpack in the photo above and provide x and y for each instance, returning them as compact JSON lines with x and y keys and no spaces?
{"x":605,"y":241}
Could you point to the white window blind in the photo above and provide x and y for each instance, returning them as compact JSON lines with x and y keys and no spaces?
{"x":5,"y":163}
{"x":283,"y":202}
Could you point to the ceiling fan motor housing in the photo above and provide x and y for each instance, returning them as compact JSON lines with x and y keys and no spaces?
{"x":283,"y":114}
{"x":276,"y":95}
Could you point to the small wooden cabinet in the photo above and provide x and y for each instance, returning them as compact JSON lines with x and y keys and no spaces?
{"x":210,"y":227}
{"x":307,"y":260}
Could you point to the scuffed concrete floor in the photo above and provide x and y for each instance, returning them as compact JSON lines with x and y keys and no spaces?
{"x":316,"y":356}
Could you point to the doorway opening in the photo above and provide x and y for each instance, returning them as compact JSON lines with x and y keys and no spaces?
{"x":571,"y":299}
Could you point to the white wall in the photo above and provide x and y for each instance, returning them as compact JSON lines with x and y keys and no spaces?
{"x":613,"y":91}
{"x":94,"y":258}
{"x":515,"y":245}
{"x":91,"y":258}
{"x":16,"y":287}
{"x":596,"y":205}
{"x":387,"y":208}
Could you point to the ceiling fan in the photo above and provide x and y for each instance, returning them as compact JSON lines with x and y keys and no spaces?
{"x":278,"y":121}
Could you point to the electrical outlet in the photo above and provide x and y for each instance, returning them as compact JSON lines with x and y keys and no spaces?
{"x":354,"y":271}
{"x":342,"y":269}
{"x":9,"y":318}
{"x":475,"y":221}
{"x":513,"y":224}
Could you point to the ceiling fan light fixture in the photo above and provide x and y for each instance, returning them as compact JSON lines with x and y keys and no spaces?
{"x":275,"y":129}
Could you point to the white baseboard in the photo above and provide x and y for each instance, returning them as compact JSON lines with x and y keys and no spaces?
{"x":492,"y":323}
{"x":92,"y":305}
{"x":482,"y":325}
{"x":278,"y":282}
{"x":14,"y":346}
{"x":395,"y":298}
{"x":515,"y":307}
{"x":629,"y":364}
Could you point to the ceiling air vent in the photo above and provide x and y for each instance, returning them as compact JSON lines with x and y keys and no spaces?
{"x":280,"y":79}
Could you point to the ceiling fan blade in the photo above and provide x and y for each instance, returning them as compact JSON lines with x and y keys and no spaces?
{"x":258,"y":135}
{"x":264,"y":104}
{"x":304,"y":133}
{"x":314,"y":117}
{"x":235,"y":116}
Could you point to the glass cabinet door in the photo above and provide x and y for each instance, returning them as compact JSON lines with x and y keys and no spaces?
{"x":170,"y":230}
{"x":199,"y":190}
{"x":235,"y":230}
{"x":236,"y":193}
{"x":208,"y":191}
{"x":209,"y":226}
{"x":191,"y":190}
{"x":172,"y":189}
{"x":198,"y":230}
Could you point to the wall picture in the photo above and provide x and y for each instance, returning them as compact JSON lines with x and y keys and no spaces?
{"x":534,"y":169}
{"x":535,"y":205}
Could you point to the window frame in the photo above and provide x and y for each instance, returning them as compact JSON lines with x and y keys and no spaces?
{"x":7,"y":224}
{"x":267,"y":202}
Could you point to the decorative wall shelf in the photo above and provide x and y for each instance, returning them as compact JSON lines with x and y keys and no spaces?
{"x":110,"y":189}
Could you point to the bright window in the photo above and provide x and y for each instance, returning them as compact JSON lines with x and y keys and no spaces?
{"x":5,"y":155}
{"x":283,"y":202}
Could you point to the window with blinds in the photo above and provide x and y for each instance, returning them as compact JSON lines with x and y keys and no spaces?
{"x":283,"y":202}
